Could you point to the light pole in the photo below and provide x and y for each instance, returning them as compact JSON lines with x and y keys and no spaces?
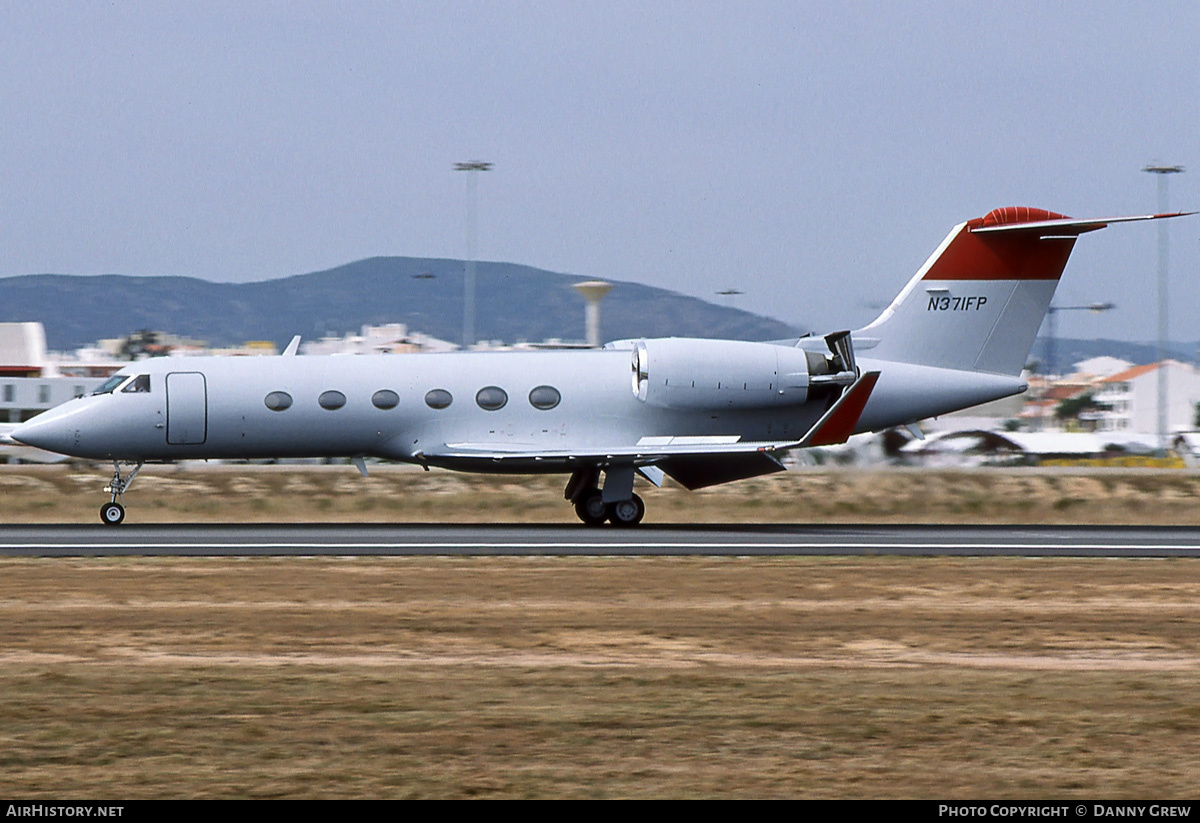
{"x":1052,"y":331}
{"x":470,"y":167}
{"x":1162,"y":171}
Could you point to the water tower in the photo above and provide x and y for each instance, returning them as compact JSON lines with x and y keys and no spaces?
{"x":593,"y":292}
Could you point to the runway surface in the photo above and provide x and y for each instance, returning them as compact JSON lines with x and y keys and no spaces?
{"x":502,"y":540}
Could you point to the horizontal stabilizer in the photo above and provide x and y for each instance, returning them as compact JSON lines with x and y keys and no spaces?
{"x":1066,"y":226}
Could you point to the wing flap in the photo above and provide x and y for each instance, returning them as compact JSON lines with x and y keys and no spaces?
{"x":641,"y":453}
{"x":700,"y":471}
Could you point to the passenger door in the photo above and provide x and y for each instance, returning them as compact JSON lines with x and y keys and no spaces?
{"x":187,"y":409}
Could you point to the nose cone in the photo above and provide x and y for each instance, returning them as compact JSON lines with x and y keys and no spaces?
{"x":49,"y":431}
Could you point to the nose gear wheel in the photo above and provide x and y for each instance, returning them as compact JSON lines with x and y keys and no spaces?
{"x":113,"y":512}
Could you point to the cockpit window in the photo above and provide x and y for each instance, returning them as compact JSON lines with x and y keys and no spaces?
{"x":112,"y":384}
{"x":140,"y":384}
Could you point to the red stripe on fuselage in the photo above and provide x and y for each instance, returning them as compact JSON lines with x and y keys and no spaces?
{"x":1001,"y":257}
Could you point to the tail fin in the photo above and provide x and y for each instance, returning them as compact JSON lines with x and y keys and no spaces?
{"x":979,"y":300}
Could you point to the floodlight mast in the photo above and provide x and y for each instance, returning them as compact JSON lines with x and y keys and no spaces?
{"x":1162,"y":171}
{"x":470,"y":167}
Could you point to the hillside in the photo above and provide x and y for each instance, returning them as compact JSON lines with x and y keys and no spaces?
{"x":514,"y":303}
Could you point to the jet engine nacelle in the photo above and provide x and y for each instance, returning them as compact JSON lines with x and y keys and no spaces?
{"x":684,"y":373}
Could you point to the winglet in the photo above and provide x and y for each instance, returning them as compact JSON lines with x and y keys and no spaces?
{"x":292,"y":347}
{"x":837,"y":424}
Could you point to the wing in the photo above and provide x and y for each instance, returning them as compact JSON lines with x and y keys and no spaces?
{"x":693,"y":461}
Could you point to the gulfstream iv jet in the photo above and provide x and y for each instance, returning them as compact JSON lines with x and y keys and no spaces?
{"x":702,"y":412}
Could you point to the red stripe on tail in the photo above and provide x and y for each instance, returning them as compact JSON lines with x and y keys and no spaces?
{"x":1003,"y":256}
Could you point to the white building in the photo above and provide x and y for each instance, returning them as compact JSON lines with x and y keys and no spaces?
{"x":1102,"y":366}
{"x":30,"y":384}
{"x":390,"y":338}
{"x":29,"y":380}
{"x":1132,"y":398}
{"x":22,"y":349}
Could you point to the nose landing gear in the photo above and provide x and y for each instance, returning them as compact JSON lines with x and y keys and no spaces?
{"x":112,"y":513}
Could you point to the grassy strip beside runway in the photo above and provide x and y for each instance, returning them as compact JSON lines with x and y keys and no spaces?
{"x":244,"y":494}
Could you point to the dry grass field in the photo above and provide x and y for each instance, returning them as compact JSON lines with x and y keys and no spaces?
{"x":588,"y":677}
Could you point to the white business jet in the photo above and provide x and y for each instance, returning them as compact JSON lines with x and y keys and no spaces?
{"x":700,"y":411}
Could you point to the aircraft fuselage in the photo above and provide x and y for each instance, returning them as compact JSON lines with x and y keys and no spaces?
{"x":342,"y":406}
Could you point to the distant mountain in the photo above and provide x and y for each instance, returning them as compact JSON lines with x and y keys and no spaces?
{"x":513,"y":304}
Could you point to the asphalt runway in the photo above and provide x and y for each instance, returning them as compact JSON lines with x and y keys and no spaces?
{"x":332,"y":540}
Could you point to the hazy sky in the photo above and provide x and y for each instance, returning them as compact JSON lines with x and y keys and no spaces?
{"x":811,"y":154}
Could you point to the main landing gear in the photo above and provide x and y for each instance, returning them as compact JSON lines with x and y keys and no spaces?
{"x":111,"y":514}
{"x":590,"y":506}
{"x":593,"y":511}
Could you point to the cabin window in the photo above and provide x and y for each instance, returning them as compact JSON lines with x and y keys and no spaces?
{"x":385,"y":399}
{"x":111,"y":384}
{"x":332,"y":400}
{"x":278,"y":400}
{"x":139,"y":384}
{"x":438,"y":399}
{"x":491,"y":398}
{"x":544,"y":398}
